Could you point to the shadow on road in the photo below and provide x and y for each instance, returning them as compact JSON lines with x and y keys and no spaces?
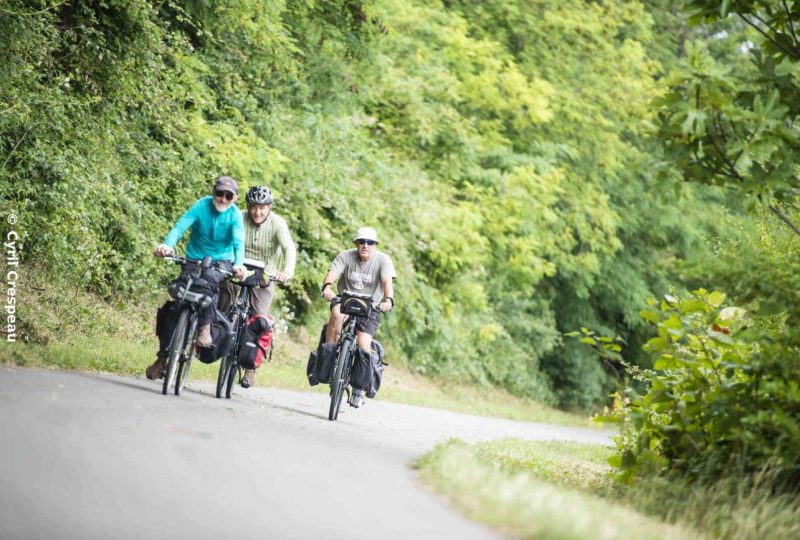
{"x":106,"y":378}
{"x":147,"y":385}
{"x":298,"y":411}
{"x":155,"y":388}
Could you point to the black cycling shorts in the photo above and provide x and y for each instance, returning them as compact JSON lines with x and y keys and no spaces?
{"x":368,"y":325}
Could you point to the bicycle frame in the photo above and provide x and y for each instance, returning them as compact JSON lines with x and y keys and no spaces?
{"x":229,"y":369}
{"x":191,"y":301}
{"x":189,"y":304}
{"x":346,"y":343}
{"x":340,"y":378}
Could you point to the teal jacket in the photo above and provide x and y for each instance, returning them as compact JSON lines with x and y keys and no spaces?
{"x":220,"y":235}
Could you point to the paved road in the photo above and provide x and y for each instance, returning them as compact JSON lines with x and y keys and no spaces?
{"x":98,"y":456}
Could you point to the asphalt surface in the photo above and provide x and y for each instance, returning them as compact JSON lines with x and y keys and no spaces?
{"x":87,"y":455}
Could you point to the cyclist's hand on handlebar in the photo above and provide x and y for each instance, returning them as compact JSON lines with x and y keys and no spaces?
{"x":266,"y":281}
{"x":328,"y":294}
{"x":283,"y":278}
{"x":239,"y":271}
{"x":163,"y":250}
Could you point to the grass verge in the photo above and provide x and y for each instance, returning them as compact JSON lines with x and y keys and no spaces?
{"x":563,"y":490}
{"x":515,"y":497}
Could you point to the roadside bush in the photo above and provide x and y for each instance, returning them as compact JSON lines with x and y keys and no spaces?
{"x":722,"y":398}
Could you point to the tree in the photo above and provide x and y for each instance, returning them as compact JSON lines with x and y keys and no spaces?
{"x":734,"y":124}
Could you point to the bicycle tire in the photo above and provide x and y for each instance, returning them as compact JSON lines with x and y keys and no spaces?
{"x":221,"y":376}
{"x":337,"y":382}
{"x":233,"y":371}
{"x":175,"y":348}
{"x":230,"y":380}
{"x":182,"y":374}
{"x":186,"y":364}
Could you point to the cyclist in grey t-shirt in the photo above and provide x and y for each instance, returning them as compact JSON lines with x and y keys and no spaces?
{"x":367,"y":271}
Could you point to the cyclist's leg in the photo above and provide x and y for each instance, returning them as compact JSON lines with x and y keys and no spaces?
{"x":363,"y":367}
{"x":207,"y":314}
{"x":366,"y":328}
{"x":227,"y":296}
{"x":214,"y":278}
{"x":261,"y":299}
{"x":335,"y":323}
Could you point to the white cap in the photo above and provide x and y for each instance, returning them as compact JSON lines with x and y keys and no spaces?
{"x":366,"y":233}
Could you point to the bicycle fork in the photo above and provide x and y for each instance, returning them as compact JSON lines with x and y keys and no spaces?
{"x":193,"y":317}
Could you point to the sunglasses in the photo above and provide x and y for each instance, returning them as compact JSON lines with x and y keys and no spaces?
{"x":367,"y":242}
{"x":227,"y":194}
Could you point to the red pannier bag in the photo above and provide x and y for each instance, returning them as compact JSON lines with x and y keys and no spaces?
{"x":256,"y":341}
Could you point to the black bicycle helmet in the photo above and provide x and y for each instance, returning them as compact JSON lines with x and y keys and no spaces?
{"x":259,"y":195}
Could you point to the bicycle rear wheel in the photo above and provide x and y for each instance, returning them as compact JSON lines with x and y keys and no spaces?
{"x":338,"y":381}
{"x":175,"y":348}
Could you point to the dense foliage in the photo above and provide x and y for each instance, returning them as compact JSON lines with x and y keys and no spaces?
{"x":501,"y":148}
{"x":721,"y":399}
{"x":729,"y":117}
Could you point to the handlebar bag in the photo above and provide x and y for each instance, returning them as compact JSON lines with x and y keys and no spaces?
{"x":356,"y":307}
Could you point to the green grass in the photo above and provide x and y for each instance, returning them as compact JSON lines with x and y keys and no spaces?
{"x":564,"y":490}
{"x":509,"y":491}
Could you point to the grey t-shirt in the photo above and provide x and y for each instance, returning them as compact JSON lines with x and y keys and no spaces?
{"x":364,"y":278}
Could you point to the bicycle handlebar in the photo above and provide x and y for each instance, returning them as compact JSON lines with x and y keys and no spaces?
{"x":377,"y":306}
{"x":267,"y":279}
{"x":183,"y":260}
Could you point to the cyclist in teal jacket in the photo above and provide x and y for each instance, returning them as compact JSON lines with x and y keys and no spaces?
{"x":216,"y":230}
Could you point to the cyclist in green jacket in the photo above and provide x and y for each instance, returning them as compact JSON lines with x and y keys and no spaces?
{"x":267,"y":239}
{"x":216,"y":230}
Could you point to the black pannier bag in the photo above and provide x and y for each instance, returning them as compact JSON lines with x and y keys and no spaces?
{"x":361,"y":372}
{"x":320,"y":364}
{"x":221,"y":340}
{"x":311,"y":368}
{"x":377,"y":368}
{"x":367,"y":371}
{"x":313,"y":362}
{"x":166,"y":317}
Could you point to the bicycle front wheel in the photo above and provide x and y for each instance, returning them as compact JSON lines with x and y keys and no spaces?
{"x":233,"y":372}
{"x":222,"y":375}
{"x":185,"y":363}
{"x":175,"y":349}
{"x":338,"y":381}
